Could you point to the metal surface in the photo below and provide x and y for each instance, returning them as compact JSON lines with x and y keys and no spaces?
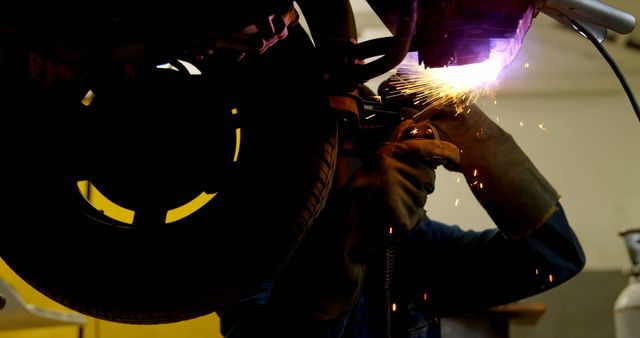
{"x":17,"y":314}
{"x":626,"y":309}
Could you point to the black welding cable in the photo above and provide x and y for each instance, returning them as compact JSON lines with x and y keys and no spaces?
{"x":612,"y":63}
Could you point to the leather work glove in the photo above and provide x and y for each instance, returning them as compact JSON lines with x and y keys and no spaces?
{"x":323,"y":278}
{"x":388,"y":192}
{"x":501,"y":176}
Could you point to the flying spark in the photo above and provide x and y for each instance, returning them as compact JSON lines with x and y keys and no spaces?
{"x":457,"y":85}
{"x":439,"y":87}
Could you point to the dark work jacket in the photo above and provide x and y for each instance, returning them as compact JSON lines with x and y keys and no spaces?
{"x":440,"y":270}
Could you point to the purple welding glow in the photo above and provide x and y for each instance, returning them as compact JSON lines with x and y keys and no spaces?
{"x":460,"y":84}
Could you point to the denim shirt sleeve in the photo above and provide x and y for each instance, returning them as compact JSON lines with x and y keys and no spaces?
{"x":449,"y":271}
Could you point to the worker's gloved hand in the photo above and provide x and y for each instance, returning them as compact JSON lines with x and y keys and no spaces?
{"x":503,"y":179}
{"x":322,"y":279}
{"x":389,"y":191}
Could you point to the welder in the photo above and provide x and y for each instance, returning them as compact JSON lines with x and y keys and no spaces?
{"x":336,"y":284}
